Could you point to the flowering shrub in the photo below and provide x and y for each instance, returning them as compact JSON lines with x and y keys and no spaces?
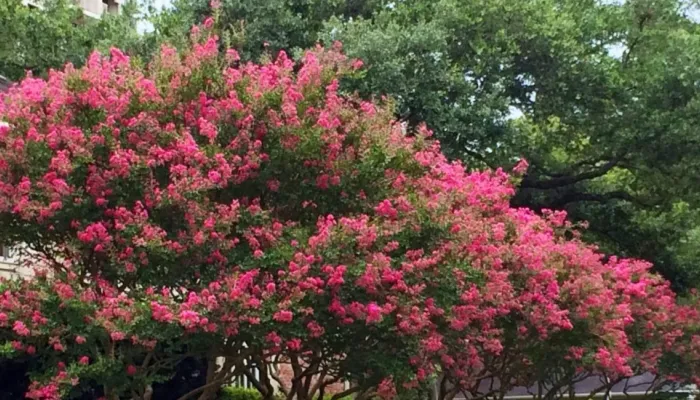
{"x":252,"y":214}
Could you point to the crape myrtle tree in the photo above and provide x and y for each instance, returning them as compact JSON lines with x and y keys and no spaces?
{"x":251,"y":214}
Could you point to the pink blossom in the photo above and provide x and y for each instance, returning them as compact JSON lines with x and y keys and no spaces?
{"x":273,"y":185}
{"x":374,"y":313}
{"x":386,"y":209}
{"x":294,"y":344}
{"x":232,"y":55}
{"x":521,"y":167}
{"x":315,"y":329}
{"x":160,"y":312}
{"x":20,"y":328}
{"x":273,"y":338}
{"x":433,"y":344}
{"x":387,"y":389}
{"x":284,"y":316}
{"x":189,"y":318}
{"x":214,"y":176}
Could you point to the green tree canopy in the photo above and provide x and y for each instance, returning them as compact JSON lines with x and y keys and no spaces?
{"x":40,"y":38}
{"x":258,"y":27}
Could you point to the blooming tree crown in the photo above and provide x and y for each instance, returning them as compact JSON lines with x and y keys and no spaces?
{"x":200,"y":206}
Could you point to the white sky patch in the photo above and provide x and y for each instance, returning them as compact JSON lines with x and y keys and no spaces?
{"x":146,"y":26}
{"x":514,"y":113}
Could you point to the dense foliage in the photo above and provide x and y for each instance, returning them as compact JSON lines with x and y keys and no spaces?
{"x":249,"y":214}
{"x":599,"y":96}
{"x":39,"y":38}
{"x":256,"y":28}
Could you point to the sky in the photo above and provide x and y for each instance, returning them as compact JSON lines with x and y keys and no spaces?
{"x":161,"y":3}
{"x":145,"y":26}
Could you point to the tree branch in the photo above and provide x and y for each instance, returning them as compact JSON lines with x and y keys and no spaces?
{"x":346,"y":393}
{"x":251,"y":378}
{"x":275,"y":375}
{"x":573,"y":197}
{"x":644,"y":18}
{"x":264,"y":377}
{"x":602,"y":388}
{"x":321,"y":386}
{"x":553,"y":183}
{"x":202,"y":388}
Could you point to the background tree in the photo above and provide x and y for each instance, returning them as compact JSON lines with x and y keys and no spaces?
{"x":259,"y":27}
{"x":37,"y":39}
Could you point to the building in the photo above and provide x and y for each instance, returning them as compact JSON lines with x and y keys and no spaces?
{"x":91,"y":8}
{"x":10,"y":266}
{"x":95,"y":8}
{"x":9,"y":263}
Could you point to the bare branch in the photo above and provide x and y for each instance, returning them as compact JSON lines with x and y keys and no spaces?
{"x":200,"y":389}
{"x":347,"y":392}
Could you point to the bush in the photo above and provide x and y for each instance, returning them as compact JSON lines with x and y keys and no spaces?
{"x":239,"y":393}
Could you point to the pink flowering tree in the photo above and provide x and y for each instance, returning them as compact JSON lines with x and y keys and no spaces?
{"x":252,"y":215}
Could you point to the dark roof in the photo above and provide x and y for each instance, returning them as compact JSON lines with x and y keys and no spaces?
{"x":633,"y":386}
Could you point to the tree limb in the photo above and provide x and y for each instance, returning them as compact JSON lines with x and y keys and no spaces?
{"x":275,"y":375}
{"x":644,"y":18}
{"x":553,"y":183}
{"x":573,"y":197}
{"x":346,"y":393}
{"x":200,"y":389}
{"x":254,"y":381}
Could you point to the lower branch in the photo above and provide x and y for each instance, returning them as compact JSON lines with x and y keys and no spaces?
{"x":200,"y":389}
